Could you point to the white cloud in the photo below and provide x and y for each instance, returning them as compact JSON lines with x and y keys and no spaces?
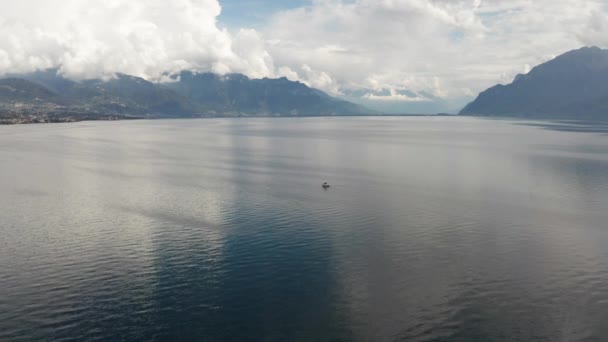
{"x":92,"y":38}
{"x":596,"y":31}
{"x":448,"y":49}
{"x":395,"y":97}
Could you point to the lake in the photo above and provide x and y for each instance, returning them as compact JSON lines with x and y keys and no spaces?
{"x":434,"y":229}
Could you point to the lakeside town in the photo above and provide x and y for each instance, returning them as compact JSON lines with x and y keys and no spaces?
{"x":22,"y":113}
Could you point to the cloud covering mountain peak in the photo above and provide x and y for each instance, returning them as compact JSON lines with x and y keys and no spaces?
{"x":91,"y":38}
{"x":449,"y":49}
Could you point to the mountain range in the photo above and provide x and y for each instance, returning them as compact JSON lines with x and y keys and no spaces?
{"x":571,"y":86}
{"x":47,"y":95}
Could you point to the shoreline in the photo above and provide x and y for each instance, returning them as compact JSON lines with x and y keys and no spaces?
{"x":40,"y":120}
{"x":22,"y":121}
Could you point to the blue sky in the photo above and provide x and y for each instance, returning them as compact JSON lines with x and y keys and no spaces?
{"x":253,"y":13}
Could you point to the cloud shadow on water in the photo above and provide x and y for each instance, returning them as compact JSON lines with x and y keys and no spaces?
{"x":259,"y":273}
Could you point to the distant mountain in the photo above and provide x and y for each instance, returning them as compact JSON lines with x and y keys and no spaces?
{"x":571,"y":86}
{"x":122,"y":94}
{"x":23,"y":101}
{"x":236,"y":94}
{"x":190,"y":95}
{"x":14,"y":91}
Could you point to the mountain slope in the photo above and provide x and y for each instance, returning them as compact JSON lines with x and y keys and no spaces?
{"x":236,"y":94}
{"x":15,"y":90}
{"x":190,"y":95}
{"x":122,"y":94}
{"x":571,"y":86}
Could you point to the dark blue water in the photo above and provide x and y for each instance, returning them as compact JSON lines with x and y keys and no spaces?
{"x":434,"y":229}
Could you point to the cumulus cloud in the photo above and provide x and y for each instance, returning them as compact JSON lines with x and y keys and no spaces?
{"x":393,"y":95}
{"x":410,"y":52}
{"x":92,"y":38}
{"x":596,"y":31}
{"x":451,"y":49}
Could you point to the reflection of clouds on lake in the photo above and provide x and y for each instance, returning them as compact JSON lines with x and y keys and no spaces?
{"x":434,"y":228}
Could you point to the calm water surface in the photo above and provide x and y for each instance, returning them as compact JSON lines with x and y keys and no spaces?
{"x":434,"y":229}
